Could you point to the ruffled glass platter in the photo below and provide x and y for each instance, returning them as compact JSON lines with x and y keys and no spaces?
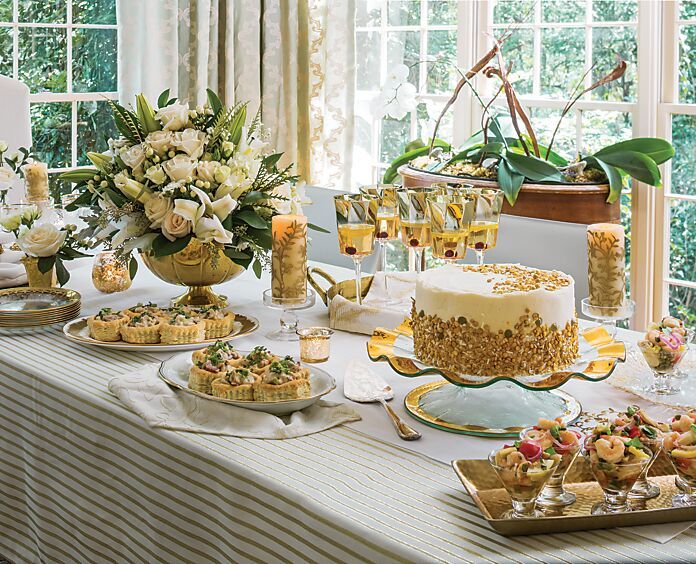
{"x":493,"y":406}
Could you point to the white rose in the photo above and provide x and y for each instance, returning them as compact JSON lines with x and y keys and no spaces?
{"x":156,"y":208}
{"x":173,"y":117}
{"x":188,"y":209}
{"x":174,"y":226}
{"x":3,"y":146}
{"x":190,"y":141}
{"x":11,"y":222}
{"x":133,"y":157}
{"x":156,"y":174}
{"x":180,"y":167}
{"x":160,"y":141}
{"x":222,"y":174}
{"x":207,"y":170}
{"x":43,"y":240}
{"x":132,"y":188}
{"x":223,"y":207}
{"x":209,"y":229}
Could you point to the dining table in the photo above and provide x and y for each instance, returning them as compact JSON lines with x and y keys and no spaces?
{"x":85,"y":479}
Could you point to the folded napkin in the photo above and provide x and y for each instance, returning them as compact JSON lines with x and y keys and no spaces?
{"x":147,"y":395}
{"x":662,"y":532}
{"x":386,"y":304}
{"x":12,"y":271}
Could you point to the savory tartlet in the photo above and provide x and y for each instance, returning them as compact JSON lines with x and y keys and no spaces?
{"x":259,"y":359}
{"x":182,"y":328}
{"x":282,"y":380}
{"x":225,"y":350}
{"x":218,"y":322}
{"x":204,"y":370}
{"x":149,"y":308}
{"x":106,"y":325}
{"x":142,"y":329}
{"x":235,"y":384}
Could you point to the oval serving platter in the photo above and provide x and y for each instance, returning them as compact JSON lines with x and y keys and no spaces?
{"x":78,"y":332}
{"x":174,"y":371}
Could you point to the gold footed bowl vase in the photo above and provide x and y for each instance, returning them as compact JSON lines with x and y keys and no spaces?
{"x":198,"y":268}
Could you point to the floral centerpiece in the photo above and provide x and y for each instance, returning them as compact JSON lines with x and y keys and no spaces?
{"x":45,"y":245}
{"x":180,"y":176}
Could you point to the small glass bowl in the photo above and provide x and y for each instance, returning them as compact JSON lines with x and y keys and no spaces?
{"x":314,"y":344}
{"x":109,"y":274}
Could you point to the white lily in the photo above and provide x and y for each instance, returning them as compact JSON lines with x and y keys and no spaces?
{"x":210,"y":229}
{"x":188,"y":209}
{"x":222,"y":207}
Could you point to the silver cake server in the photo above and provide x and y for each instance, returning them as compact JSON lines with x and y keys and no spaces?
{"x":362,"y":385}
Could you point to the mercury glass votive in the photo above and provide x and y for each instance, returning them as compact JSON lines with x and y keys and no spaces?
{"x":314,"y":344}
{"x":109,"y":274}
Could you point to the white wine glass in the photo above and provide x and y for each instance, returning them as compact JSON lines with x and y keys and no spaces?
{"x":387,"y":226}
{"x":483,"y":232}
{"x":415,"y":220}
{"x":450,"y":219}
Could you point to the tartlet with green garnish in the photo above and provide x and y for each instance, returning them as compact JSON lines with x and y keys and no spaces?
{"x":235,"y":384}
{"x":182,"y":328}
{"x":259,"y":359}
{"x":142,"y":329}
{"x":106,"y":325}
{"x":282,"y":380}
{"x":140,"y":308}
{"x":218,"y":322}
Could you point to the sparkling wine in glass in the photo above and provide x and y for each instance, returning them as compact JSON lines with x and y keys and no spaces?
{"x":387,"y":222}
{"x":483,"y":231}
{"x":415,"y":220}
{"x":356,"y":218}
{"x":450,"y":218}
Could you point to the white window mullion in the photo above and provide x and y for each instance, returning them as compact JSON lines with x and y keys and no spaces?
{"x":15,"y":39}
{"x":536,"y":80}
{"x":588,"y":45}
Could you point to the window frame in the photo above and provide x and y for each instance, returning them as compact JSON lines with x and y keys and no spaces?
{"x":74,"y":98}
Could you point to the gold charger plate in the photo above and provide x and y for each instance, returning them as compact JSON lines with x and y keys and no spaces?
{"x":490,"y":496}
{"x":78,"y":332}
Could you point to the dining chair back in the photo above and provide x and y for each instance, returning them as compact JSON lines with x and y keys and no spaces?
{"x":15,"y":123}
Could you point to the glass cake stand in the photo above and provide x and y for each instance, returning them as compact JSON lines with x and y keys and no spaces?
{"x":493,"y":406}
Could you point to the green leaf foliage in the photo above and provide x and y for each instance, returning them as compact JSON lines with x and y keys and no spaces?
{"x":234,"y":254}
{"x":657,"y":149}
{"x":162,"y":247}
{"x":146,"y":114}
{"x":258,"y":268}
{"x":78,"y":175}
{"x":533,"y":168}
{"x":314,"y":227}
{"x":252,"y":218}
{"x":45,"y":264}
{"x":162,"y":99}
{"x":62,"y":273}
{"x":614,"y":177}
{"x":415,"y":144}
{"x":214,"y":101}
{"x":637,"y":165}
{"x":509,"y":181}
{"x":238,"y":121}
{"x":391,"y":173}
{"x":127,"y":123}
{"x":133,"y":264}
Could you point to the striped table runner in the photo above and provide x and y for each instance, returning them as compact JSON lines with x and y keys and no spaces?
{"x":84,"y":480}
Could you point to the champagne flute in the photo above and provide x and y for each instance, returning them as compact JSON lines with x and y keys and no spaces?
{"x":450,"y":218}
{"x":387,"y":227}
{"x":356,"y":217}
{"x":415,"y":220}
{"x":483,"y":232}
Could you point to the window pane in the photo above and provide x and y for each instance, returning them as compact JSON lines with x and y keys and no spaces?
{"x":427,"y":113}
{"x":368,"y":60}
{"x":683,"y":163}
{"x":562,"y":60}
{"x":608,"y":44}
{"x":687,"y":67}
{"x":626,"y":222}
{"x":94,"y":60}
{"x":563,"y":10}
{"x":95,"y":124}
{"x":682,"y":237}
{"x":43,"y":59}
{"x":5,"y":10}
{"x":50,"y":125}
{"x":612,"y":11}
{"x":442,"y":48}
{"x":506,"y":11}
{"x":442,"y":12}
{"x":682,"y":303}
{"x":544,"y":121}
{"x":362,"y":151}
{"x":403,"y":12}
{"x":6,"y":51}
{"x":519,"y":50}
{"x":602,"y":128}
{"x":404,"y":47}
{"x":395,"y":137}
{"x":688,"y":10}
{"x":42,"y":11}
{"x":94,"y":11}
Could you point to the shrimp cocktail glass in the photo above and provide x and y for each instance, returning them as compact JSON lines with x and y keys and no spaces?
{"x":664,"y":347}
{"x":680,"y":445}
{"x":617,"y":463}
{"x":554,"y":438}
{"x":524,"y":469}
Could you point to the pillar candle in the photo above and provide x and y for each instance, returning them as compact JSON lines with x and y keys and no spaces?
{"x":36,"y":175}
{"x":606,"y":253}
{"x":289,"y":257}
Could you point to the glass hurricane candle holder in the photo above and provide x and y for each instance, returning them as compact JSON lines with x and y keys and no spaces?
{"x":110,"y":274}
{"x":608,"y":316}
{"x":315,"y":344}
{"x":288,"y":317}
{"x":387,"y":221}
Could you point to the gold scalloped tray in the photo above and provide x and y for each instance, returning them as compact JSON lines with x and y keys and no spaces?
{"x":598,"y":356}
{"x":490,"y":496}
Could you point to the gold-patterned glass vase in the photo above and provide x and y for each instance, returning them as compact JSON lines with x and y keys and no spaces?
{"x":36,"y":278}
{"x":109,"y":274}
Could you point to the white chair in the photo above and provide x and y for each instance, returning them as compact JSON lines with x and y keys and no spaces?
{"x":15,"y":123}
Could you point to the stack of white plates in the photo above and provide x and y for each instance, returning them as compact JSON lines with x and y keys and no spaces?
{"x":31,"y":307}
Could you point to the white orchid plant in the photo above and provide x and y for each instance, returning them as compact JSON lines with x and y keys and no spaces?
{"x":49,"y":244}
{"x":178,"y":173}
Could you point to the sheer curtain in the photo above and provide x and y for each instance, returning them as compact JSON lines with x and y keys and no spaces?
{"x":294,"y":59}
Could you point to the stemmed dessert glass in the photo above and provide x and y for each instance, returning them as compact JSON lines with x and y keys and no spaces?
{"x":450,"y":219}
{"x":686,"y":472}
{"x":387,"y":227}
{"x":415,"y":220}
{"x":664,"y":363}
{"x":483,"y":233}
{"x":356,"y":217}
{"x":643,"y":489}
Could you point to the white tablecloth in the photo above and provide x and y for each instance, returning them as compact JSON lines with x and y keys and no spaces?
{"x":84,"y":479}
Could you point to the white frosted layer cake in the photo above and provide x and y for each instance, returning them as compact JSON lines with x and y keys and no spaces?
{"x":495,"y":320}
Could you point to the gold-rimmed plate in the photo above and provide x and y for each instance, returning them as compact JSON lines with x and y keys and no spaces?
{"x":28,"y":301}
{"x":78,"y":332}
